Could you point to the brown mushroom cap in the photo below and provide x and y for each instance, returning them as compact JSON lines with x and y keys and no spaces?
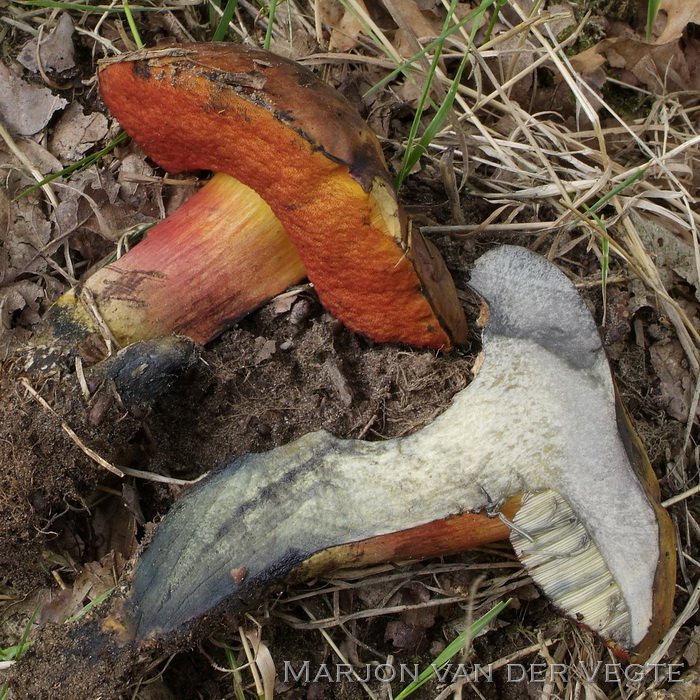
{"x":276,"y":127}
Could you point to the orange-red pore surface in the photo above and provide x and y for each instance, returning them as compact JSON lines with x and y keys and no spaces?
{"x":274,"y":126}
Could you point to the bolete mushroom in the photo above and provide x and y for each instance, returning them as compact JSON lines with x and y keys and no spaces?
{"x":278,"y":136}
{"x":537,"y":447}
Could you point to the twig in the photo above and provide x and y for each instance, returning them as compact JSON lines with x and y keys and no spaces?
{"x":340,"y":655}
{"x":14,"y":148}
{"x":70,"y":432}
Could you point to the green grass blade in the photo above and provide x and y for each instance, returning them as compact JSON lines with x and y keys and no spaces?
{"x":79,"y":166}
{"x":14,"y":652}
{"x":86,"y":8}
{"x":272,"y":11}
{"x":132,"y":25}
{"x":615,"y":190}
{"x":402,"y":69}
{"x":235,"y":672}
{"x":652,"y":10}
{"x":413,"y":152}
{"x":453,"y":648}
{"x":89,"y":606}
{"x":225,"y":20}
{"x":213,"y":6}
{"x":494,"y":18}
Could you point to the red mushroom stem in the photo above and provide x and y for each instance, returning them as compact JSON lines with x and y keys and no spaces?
{"x":220,"y":255}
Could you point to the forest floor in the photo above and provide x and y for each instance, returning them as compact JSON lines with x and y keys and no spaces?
{"x":571,"y":133}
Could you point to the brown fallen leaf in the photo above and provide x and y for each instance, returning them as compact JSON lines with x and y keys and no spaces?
{"x":670,"y":252}
{"x":56,"y":52}
{"x":676,"y":383}
{"x":344,"y":25}
{"x":264,"y":350}
{"x":23,"y":296}
{"x":666,"y":64}
{"x":677,"y":15}
{"x":415,"y":21}
{"x":28,"y":234}
{"x":77,"y":132}
{"x":25,"y":109}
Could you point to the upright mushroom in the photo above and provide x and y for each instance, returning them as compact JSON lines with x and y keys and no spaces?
{"x":294,"y":142}
{"x":537,"y":446}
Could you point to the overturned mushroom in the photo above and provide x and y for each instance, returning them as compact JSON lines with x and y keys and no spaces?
{"x":537,"y":446}
{"x":293,"y":142}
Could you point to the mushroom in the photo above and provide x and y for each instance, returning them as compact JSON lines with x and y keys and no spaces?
{"x":537,"y":448}
{"x":278,"y":136}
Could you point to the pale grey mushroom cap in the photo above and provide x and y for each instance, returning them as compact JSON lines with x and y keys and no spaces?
{"x":530,"y":298}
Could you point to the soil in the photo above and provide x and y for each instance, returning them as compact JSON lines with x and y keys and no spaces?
{"x":68,"y":526}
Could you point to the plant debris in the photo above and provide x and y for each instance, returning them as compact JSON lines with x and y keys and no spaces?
{"x":540,"y":133}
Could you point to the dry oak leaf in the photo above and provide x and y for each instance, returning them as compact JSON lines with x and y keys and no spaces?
{"x":676,"y":382}
{"x":670,"y":252}
{"x":345,"y":27}
{"x":663,"y":66}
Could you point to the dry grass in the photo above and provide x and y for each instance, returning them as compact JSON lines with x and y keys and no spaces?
{"x":538,"y":143}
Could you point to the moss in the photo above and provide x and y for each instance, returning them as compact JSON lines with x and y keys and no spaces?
{"x":592,"y":33}
{"x":622,"y":10}
{"x":629,"y":104}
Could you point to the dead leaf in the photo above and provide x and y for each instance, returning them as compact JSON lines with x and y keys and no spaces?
{"x":96,"y":579}
{"x":668,"y":360}
{"x":662,"y":68}
{"x":263,"y":660}
{"x":77,"y":132}
{"x":101,"y":206}
{"x":39,"y":157}
{"x":22,"y":296}
{"x":132,"y":166}
{"x":666,"y":65}
{"x":678,"y":14}
{"x":344,"y":26}
{"x":29,"y":233}
{"x":671,"y":253}
{"x":264,"y":350}
{"x":588,"y":62}
{"x":57,"y":53}
{"x":403,"y":636}
{"x":58,"y":609}
{"x":115,"y":528}
{"x":283,"y":303}
{"x":691,"y":653}
{"x":410,"y":629}
{"x":297,"y":41}
{"x":25,"y":109}
{"x":414,"y":23}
